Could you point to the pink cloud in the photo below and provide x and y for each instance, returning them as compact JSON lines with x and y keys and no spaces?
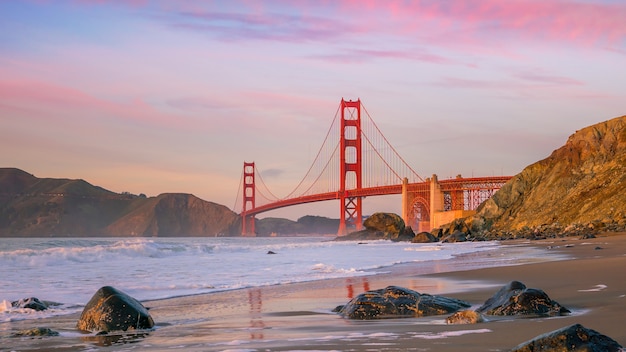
{"x":46,"y":97}
{"x":574,"y":22}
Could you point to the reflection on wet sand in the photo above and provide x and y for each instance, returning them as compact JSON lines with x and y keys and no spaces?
{"x":257,"y":325}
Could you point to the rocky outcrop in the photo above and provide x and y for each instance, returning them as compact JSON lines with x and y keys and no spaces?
{"x":571,"y":338}
{"x":112,"y":310}
{"x":516,"y":299}
{"x":381,"y":226}
{"x":390,"y":224}
{"x":581,"y":183}
{"x":31,"y":206}
{"x":398,"y":302}
{"x":174,"y":214}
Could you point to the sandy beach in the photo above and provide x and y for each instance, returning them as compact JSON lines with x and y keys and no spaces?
{"x":588,"y":279}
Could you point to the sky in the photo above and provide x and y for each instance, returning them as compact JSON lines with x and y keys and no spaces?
{"x":173,"y":96}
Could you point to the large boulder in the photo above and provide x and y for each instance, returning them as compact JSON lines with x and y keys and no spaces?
{"x":398,"y":302}
{"x":516,"y":299}
{"x":571,"y":338}
{"x":112,"y":310}
{"x":390,"y":224}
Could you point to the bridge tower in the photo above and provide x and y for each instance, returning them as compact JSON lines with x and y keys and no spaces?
{"x":350,"y":166}
{"x":247,"y":221}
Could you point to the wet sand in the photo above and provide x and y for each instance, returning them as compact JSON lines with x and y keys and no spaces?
{"x":589,"y":281}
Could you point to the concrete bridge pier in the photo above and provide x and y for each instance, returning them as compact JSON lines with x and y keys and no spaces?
{"x":430,"y":203}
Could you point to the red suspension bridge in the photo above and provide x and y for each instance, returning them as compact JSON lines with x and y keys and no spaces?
{"x":357,"y":161}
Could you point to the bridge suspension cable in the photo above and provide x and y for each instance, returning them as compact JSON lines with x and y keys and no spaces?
{"x":382,"y":165}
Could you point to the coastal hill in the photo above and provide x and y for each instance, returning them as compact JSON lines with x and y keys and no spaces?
{"x":582,"y":184}
{"x":32,"y":206}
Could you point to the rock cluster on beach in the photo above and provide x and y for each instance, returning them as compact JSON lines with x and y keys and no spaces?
{"x":513,"y":300}
{"x":109,"y":310}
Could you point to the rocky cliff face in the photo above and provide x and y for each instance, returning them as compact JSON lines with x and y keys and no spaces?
{"x":31,"y":206}
{"x":174,"y":214}
{"x":582,"y":182}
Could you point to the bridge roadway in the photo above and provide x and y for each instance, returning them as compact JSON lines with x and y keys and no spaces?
{"x":456,"y":184}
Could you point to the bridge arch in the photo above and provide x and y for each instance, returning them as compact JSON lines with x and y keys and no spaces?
{"x":419,"y":214}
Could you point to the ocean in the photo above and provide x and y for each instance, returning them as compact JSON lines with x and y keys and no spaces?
{"x":70,"y":270}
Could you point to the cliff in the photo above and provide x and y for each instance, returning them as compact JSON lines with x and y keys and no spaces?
{"x":31,"y":206}
{"x":581,"y":183}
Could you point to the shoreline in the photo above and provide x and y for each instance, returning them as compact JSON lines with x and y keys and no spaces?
{"x":298,"y":316}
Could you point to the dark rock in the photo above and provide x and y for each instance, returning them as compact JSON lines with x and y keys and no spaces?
{"x":455,"y":237}
{"x":398,"y":302}
{"x":516,"y":299}
{"x":31,"y":302}
{"x":35,"y":332}
{"x":271,"y":252}
{"x":406,"y":235}
{"x":111,"y":310}
{"x":390,"y":224}
{"x":424,"y":237}
{"x":457,"y":225}
{"x":571,"y":338}
{"x":437,"y":232}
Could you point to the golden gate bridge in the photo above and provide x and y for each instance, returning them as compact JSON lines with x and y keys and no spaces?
{"x":357,"y":161}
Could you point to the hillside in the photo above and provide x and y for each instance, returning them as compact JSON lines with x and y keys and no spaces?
{"x":31,"y":206}
{"x":582,"y":184}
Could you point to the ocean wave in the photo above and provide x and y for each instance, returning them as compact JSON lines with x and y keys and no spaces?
{"x":56,"y":252}
{"x":9,"y":313}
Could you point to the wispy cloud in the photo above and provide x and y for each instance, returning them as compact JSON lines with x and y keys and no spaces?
{"x":470,"y":20}
{"x":272,"y":26}
{"x":366,"y":55}
{"x":548,"y":79}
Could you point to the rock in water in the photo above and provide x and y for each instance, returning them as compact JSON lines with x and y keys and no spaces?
{"x":30,"y":302}
{"x":571,"y":338}
{"x":35,"y":332}
{"x":112,"y":310}
{"x":515,"y":299}
{"x":398,"y":302}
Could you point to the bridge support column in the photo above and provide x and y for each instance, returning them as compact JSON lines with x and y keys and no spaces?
{"x":406,"y":201}
{"x":351,"y":170}
{"x":247,"y":221}
{"x":436,"y":199}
